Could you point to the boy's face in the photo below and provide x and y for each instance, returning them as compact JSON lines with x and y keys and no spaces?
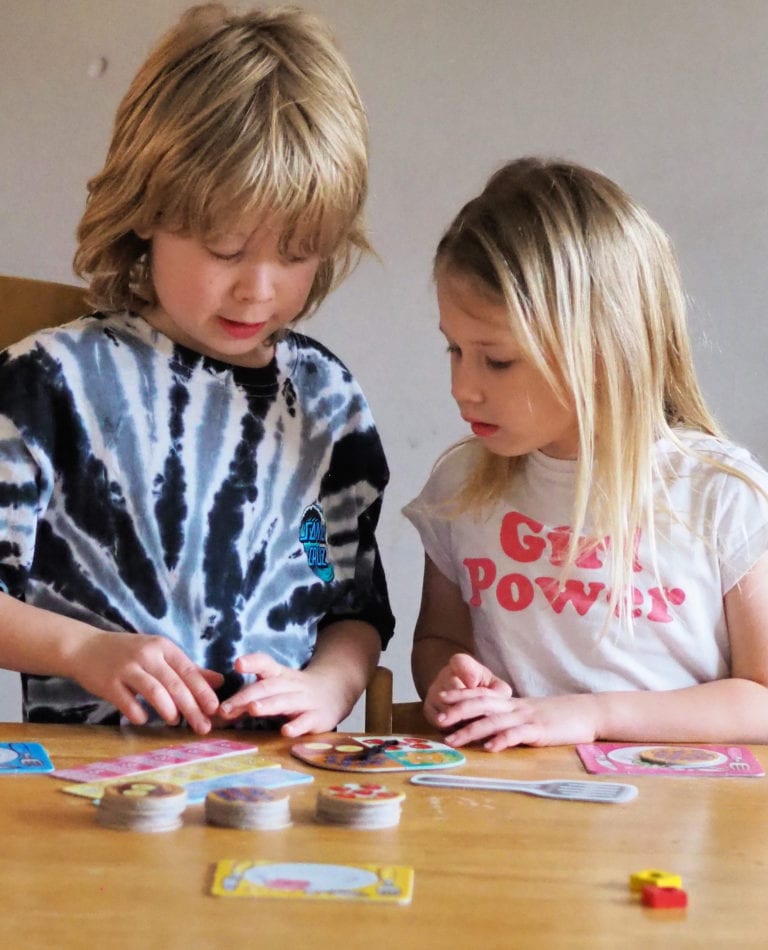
{"x":501,"y":394}
{"x":226,"y":296}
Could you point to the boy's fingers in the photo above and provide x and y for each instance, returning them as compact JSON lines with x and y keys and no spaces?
{"x":261,"y":664}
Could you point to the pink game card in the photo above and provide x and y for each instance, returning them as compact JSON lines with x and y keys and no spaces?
{"x":621,"y":758}
{"x":169,"y":755}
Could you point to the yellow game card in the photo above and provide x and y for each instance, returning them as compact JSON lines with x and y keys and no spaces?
{"x":363,"y":882}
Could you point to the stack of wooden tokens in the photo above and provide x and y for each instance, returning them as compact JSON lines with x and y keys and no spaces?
{"x":245,"y":807}
{"x":361,"y":806}
{"x":142,"y":806}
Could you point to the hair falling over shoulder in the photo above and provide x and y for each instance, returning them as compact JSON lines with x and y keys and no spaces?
{"x":593,"y":293}
{"x":231,"y":117}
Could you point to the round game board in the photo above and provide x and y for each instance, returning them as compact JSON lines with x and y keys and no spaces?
{"x":377,"y":754}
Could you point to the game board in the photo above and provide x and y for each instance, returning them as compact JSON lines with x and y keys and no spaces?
{"x":662,"y":759}
{"x":377,"y":754}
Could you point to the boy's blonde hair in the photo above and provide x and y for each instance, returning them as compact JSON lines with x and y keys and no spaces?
{"x":231,"y":116}
{"x":594,"y":298}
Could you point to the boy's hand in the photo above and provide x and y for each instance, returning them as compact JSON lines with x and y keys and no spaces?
{"x":120,"y":667}
{"x":306,"y":699}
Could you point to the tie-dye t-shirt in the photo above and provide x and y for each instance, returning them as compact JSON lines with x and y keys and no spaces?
{"x":144,"y":487}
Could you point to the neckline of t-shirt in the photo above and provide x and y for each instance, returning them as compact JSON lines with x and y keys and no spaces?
{"x":564,"y":470}
{"x":260,"y":380}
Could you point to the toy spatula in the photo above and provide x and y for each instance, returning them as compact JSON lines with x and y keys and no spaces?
{"x":555,"y":788}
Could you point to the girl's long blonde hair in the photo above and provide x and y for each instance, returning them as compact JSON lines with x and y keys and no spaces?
{"x":594,"y":298}
{"x":231,"y":116}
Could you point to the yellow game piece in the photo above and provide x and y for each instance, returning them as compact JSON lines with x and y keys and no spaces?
{"x":654,"y":876}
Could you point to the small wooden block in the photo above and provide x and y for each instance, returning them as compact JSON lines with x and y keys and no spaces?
{"x":639,"y":879}
{"x":660,"y":897}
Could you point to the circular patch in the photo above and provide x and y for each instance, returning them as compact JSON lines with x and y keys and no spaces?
{"x":679,"y":756}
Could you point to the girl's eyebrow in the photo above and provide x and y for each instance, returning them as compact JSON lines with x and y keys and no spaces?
{"x":478,"y":342}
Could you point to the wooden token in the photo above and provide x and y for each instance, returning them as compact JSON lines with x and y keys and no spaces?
{"x":142,"y":806}
{"x":249,"y":808}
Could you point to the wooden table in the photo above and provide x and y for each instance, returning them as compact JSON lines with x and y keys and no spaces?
{"x":492,"y":869}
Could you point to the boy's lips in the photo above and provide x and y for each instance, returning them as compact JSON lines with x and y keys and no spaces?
{"x":241,"y":331}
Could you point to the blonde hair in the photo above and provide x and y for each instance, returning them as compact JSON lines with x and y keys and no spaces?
{"x":230,"y":116}
{"x":594,"y":298}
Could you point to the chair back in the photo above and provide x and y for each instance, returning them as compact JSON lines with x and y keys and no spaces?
{"x":27,"y":305}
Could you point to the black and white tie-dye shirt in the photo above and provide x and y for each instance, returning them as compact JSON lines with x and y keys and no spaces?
{"x":144,"y":487}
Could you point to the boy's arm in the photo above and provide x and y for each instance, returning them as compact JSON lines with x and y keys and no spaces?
{"x":443,"y":627}
{"x":118,"y":667}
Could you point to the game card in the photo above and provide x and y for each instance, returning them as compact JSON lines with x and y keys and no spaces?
{"x":168,"y":756}
{"x":19,"y":757}
{"x":185,"y":774}
{"x":621,"y":758}
{"x":359,"y":882}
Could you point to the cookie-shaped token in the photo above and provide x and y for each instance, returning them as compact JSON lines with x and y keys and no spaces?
{"x":360,"y":805}
{"x":142,"y":806}
{"x":679,"y":756}
{"x":248,"y":808}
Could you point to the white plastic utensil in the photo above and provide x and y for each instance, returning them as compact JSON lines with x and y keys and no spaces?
{"x":555,"y":788}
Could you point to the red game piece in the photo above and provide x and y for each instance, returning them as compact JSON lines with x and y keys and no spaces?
{"x":654,"y":896}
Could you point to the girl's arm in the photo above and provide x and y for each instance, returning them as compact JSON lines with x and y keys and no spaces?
{"x":443,"y":627}
{"x":728,"y":710}
{"x":318,"y":697}
{"x":117,"y":667}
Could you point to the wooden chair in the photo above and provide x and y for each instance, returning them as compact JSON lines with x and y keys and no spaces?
{"x":27,"y":305}
{"x":383,"y":717}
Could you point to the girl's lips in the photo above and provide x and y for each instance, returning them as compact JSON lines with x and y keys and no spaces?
{"x":483,"y":430}
{"x":241,"y":331}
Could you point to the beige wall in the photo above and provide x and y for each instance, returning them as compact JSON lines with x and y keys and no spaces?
{"x":667,"y":96}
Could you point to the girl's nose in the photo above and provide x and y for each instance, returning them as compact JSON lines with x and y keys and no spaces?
{"x":464,"y":387}
{"x":255,"y":283}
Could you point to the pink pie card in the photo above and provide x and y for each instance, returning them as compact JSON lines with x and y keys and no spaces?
{"x":622,"y":758}
{"x":175,"y":755}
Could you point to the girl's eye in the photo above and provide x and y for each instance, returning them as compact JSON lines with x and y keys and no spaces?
{"x":453,"y":350}
{"x":498,"y":364}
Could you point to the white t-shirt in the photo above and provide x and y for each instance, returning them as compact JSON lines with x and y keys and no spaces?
{"x":545,"y":639}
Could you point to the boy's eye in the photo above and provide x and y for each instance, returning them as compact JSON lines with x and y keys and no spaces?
{"x":224,"y":256}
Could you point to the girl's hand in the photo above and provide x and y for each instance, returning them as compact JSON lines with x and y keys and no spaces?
{"x":307,"y":699}
{"x":120,"y":667}
{"x":500,"y":722}
{"x":460,"y":673}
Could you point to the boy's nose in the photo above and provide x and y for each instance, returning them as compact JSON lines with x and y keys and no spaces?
{"x":255,"y":283}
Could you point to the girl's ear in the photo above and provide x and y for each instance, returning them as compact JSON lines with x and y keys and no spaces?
{"x":144,"y":234}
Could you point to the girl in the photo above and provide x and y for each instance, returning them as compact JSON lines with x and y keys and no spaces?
{"x":595,"y":555}
{"x":188,"y":489}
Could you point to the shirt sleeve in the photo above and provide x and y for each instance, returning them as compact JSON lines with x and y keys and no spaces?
{"x":430,"y":511}
{"x":358,"y":475}
{"x":742,"y":520}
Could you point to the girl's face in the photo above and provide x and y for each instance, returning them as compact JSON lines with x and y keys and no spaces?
{"x":226,"y":296}
{"x":503,"y":396}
